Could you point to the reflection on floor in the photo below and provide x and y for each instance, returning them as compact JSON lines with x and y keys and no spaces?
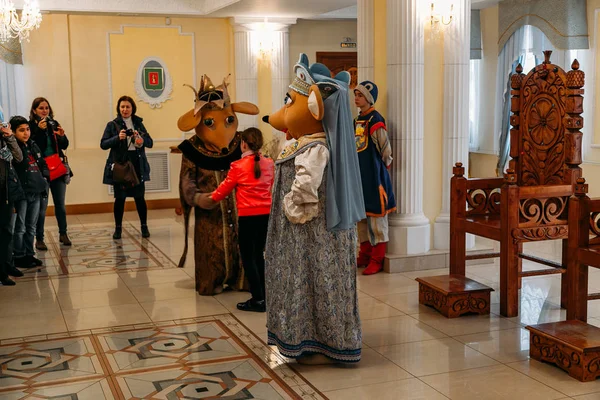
{"x":109,"y":319}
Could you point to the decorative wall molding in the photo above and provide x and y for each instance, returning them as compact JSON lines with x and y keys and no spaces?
{"x":121,"y":31}
{"x":136,"y":7}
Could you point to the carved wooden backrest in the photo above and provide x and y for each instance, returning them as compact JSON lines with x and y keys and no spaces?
{"x":545,"y":141}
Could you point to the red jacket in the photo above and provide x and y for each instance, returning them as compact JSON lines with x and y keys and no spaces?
{"x":253,"y":196}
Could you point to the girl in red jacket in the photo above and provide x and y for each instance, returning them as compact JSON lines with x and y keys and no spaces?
{"x":252,"y":177}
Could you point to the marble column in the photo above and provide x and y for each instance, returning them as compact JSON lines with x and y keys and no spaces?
{"x":365,"y":27}
{"x":456,"y":111}
{"x":246,"y":72}
{"x":409,"y":228}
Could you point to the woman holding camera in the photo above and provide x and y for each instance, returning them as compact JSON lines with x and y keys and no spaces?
{"x":127,"y":138}
{"x":51,"y":139}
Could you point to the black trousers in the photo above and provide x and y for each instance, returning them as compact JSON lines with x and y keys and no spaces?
{"x":252,"y":238}
{"x":6,"y":212}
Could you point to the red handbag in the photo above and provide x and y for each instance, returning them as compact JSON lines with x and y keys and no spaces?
{"x":55,"y":164}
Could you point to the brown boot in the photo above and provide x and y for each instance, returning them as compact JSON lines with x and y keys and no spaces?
{"x":40,"y":245}
{"x":377,"y":256}
{"x":364,"y":254}
{"x":64,"y":239}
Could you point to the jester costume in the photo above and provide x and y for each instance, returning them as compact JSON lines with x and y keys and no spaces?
{"x":375,"y":156}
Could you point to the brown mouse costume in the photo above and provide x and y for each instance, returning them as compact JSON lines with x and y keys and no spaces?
{"x":206,"y":159}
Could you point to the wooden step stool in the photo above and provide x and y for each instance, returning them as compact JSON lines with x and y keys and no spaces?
{"x":454,"y":295}
{"x":572,"y":345}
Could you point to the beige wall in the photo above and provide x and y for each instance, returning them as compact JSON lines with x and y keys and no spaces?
{"x":67,"y":62}
{"x":312,"y":36}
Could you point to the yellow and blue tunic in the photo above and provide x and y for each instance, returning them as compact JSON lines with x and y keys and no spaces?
{"x":376,"y":182}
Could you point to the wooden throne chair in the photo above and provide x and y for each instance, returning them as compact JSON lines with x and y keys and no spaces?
{"x":574,"y":345}
{"x":530,"y":203}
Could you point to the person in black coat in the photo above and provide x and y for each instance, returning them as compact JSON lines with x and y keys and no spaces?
{"x":51,"y":139}
{"x":127,"y":138}
{"x":10,"y":190}
{"x":33,"y":174}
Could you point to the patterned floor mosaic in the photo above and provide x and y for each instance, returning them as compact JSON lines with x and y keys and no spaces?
{"x":211,"y":357}
{"x":94,"y":251}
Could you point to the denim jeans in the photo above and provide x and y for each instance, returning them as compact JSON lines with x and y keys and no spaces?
{"x":28,"y":211}
{"x":58,"y":187}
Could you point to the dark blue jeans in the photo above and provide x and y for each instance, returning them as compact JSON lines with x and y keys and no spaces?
{"x":58,"y":187}
{"x":28,"y":211}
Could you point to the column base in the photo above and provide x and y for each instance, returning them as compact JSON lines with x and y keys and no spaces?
{"x":441,"y":235}
{"x":409,"y":239}
{"x":433,"y":259}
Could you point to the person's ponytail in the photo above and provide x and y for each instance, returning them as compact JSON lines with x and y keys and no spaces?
{"x":254,"y":139}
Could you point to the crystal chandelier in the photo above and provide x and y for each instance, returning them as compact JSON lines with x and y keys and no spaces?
{"x":13,"y":27}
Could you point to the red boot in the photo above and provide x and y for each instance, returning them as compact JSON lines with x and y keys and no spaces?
{"x":364,"y":255}
{"x":377,"y":256}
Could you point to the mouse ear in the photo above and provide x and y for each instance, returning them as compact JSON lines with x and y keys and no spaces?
{"x":189,"y":121}
{"x":244,"y":107}
{"x":315,"y":103}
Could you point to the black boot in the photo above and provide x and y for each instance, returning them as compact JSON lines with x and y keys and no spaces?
{"x":145,"y":231}
{"x":24,"y":262}
{"x":7,"y":281}
{"x":36,"y":261}
{"x":117,"y":234}
{"x":12,"y":271}
{"x":252,"y":305}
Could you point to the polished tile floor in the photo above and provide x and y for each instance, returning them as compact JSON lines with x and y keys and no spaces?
{"x":119,"y":320}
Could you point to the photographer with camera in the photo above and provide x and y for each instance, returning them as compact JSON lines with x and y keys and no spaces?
{"x":126,"y":138}
{"x":51,"y":139}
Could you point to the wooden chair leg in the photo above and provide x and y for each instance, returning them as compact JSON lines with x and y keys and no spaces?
{"x":458,"y":251}
{"x":564,"y":282}
{"x":509,"y":279}
{"x":519,"y":264}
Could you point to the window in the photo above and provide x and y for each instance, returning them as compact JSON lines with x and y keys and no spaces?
{"x":474,"y":103}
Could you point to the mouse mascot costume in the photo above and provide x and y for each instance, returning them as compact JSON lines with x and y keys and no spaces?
{"x":206,"y":159}
{"x":312,"y":306}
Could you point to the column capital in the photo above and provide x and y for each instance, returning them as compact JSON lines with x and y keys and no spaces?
{"x":249,"y":24}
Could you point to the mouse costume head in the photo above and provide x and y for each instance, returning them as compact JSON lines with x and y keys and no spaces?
{"x":213,"y":117}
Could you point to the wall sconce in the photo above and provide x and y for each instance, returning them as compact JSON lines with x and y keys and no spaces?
{"x":263,"y":41}
{"x":441,"y":14}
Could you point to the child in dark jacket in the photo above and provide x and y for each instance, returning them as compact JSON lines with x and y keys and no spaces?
{"x":252,"y":178}
{"x":32,"y":172}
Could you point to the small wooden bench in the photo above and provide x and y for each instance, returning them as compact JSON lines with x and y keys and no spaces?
{"x":572,"y":345}
{"x":454,"y":295}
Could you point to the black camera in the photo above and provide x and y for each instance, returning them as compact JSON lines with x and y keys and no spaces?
{"x":52,"y":124}
{"x":129,"y":132}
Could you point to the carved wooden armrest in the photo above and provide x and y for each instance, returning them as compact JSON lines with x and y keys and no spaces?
{"x":483,"y":196}
{"x":593,"y":208}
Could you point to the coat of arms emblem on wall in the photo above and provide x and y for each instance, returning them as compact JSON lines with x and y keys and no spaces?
{"x":153,"y":82}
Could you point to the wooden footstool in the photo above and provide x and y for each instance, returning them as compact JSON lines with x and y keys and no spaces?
{"x":572,"y":345}
{"x":454,"y":295}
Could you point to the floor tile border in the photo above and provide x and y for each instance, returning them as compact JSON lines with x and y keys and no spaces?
{"x":295,"y":391}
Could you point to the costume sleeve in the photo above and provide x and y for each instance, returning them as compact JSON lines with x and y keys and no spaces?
{"x":188,"y":180}
{"x":382,"y":142}
{"x":301,"y":204}
{"x":227,"y":186}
